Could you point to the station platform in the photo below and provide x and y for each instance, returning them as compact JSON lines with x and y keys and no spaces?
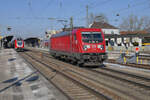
{"x":36,"y":48}
{"x":15,"y":80}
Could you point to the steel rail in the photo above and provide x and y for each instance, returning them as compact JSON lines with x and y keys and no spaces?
{"x":77,"y":82}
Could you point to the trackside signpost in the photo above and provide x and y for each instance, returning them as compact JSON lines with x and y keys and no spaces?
{"x":137,"y":49}
{"x":137,"y":52}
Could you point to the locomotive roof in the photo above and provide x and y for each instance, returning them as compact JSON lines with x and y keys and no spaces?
{"x":64,"y":33}
{"x":61,"y":34}
{"x":16,"y":38}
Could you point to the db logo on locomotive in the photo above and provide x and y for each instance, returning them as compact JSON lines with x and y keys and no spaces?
{"x":93,"y":46}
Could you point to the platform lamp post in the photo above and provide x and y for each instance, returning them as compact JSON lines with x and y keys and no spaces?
{"x":9,"y":28}
{"x":117,"y":19}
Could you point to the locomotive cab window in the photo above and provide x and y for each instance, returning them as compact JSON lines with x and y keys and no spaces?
{"x":92,"y":37}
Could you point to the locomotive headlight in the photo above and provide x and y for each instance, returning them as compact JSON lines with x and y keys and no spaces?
{"x":88,"y":46}
{"x":85,"y":47}
{"x":100,"y":47}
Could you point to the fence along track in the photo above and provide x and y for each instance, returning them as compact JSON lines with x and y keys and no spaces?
{"x":112,"y":87}
{"x":75,"y":89}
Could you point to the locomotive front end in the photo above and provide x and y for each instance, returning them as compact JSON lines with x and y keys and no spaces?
{"x":93,"y":47}
{"x":19,"y":44}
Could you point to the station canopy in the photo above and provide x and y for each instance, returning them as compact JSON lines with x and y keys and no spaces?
{"x":7,"y":38}
{"x":31,"y":39}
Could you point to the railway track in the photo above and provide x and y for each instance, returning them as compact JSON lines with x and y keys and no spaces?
{"x":114,"y":84}
{"x":144,"y":57}
{"x":131,"y":79}
{"x":144,"y":66}
{"x":73,"y":89}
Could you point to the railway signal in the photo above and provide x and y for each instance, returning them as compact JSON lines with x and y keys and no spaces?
{"x":137,"y":53}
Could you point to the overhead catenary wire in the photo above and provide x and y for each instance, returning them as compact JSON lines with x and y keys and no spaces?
{"x":129,"y":7}
{"x":118,"y":12}
{"x":91,"y":7}
{"x":103,"y":3}
{"x":49,"y":3}
{"x":60,"y":5}
{"x":43,"y":11}
{"x":31,"y":9}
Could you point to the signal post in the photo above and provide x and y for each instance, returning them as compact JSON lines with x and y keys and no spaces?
{"x":137,"y":55}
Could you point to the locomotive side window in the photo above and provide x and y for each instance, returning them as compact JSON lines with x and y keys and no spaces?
{"x":92,"y":37}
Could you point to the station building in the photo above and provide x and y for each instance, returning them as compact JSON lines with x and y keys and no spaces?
{"x":106,"y":28}
{"x":114,"y":37}
{"x":124,"y":40}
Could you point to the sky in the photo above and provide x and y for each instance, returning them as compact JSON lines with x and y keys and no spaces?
{"x":31,"y":18}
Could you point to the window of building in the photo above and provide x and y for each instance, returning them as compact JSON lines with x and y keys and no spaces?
{"x":112,"y":32}
{"x":106,"y":42}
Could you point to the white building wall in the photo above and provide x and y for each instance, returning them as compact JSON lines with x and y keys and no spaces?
{"x":126,"y":40}
{"x":135,"y":39}
{"x":110,"y":31}
{"x":140,"y":42}
{"x":119,"y":40}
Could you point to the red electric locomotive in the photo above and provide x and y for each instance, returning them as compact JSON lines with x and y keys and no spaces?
{"x":17,"y":44}
{"x":85,"y":46}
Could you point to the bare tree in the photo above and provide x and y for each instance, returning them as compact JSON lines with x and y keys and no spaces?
{"x":134,"y":23}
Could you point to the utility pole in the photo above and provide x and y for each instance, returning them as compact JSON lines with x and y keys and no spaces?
{"x":71,"y":22}
{"x":87,"y":16}
{"x":71,"y":26}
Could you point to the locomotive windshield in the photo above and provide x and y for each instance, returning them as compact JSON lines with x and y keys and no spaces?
{"x":92,"y":37}
{"x":19,"y":43}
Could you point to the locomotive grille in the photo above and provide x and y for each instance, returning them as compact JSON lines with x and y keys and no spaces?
{"x":94,"y":57}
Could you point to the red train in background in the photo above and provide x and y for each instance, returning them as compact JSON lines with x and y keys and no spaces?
{"x":17,"y":44}
{"x":84,"y":46}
